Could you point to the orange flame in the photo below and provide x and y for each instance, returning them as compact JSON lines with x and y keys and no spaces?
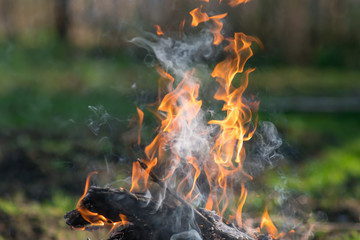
{"x":234,"y":3}
{"x":181,"y":28}
{"x":93,"y":218}
{"x":218,"y":25}
{"x":238,"y":126}
{"x":159,"y":32}
{"x":185,"y":93}
{"x":269,"y":225}
{"x":123,"y":222}
{"x":194,"y":163}
{"x":165,"y":83}
{"x":136,"y":175}
{"x":140,"y":175}
{"x":87,"y":183}
{"x":198,"y":17}
{"x":242,"y":199}
{"x":141,"y":118}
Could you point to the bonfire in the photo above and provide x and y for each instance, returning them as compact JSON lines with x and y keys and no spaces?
{"x":191,"y":182}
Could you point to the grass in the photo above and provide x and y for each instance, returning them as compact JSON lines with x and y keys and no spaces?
{"x":304,"y":81}
{"x":326,"y":168}
{"x":55,"y":207}
{"x":24,"y":108}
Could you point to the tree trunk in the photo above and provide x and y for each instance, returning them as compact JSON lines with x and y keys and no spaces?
{"x":62,"y":19}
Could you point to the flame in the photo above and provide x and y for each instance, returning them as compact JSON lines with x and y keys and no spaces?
{"x":141,"y":175}
{"x":181,"y":28}
{"x":216,"y":29}
{"x":242,"y":199}
{"x":269,"y":225}
{"x":238,"y":125}
{"x":93,"y":218}
{"x":195,"y":164}
{"x":165,"y":84}
{"x":193,"y":174}
{"x":234,"y":3}
{"x":185,"y":93}
{"x":135,"y":177}
{"x":141,"y":118}
{"x":159,"y":32}
{"x":123,"y":222}
{"x":87,"y":183}
{"x":198,"y":16}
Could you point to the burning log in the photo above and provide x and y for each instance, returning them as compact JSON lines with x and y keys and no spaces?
{"x":147,"y":220}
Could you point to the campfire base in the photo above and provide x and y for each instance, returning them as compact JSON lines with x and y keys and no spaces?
{"x":148,"y":221}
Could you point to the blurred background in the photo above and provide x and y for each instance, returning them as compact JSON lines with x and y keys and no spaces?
{"x":70,"y":82}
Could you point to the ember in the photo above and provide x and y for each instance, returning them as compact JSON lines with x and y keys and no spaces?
{"x":194,"y":162}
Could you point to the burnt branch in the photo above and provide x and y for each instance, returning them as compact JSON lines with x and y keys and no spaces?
{"x":150,"y":221}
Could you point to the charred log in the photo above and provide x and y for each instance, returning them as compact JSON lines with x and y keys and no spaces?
{"x":151,"y":221}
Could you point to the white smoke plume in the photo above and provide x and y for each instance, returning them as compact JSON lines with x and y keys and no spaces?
{"x":178,"y":56}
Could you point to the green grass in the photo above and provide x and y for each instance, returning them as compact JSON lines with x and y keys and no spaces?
{"x":59,"y":68}
{"x":25,"y":108}
{"x":42,"y":220}
{"x":329,"y":169}
{"x":302,"y":81}
{"x":59,"y":204}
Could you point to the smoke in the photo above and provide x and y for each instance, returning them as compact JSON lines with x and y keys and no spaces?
{"x":188,"y":235}
{"x":263,"y":150}
{"x":101,"y":117}
{"x":179,"y":56}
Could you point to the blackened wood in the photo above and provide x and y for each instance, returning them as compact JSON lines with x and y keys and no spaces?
{"x":158,"y":222}
{"x":150,"y":221}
